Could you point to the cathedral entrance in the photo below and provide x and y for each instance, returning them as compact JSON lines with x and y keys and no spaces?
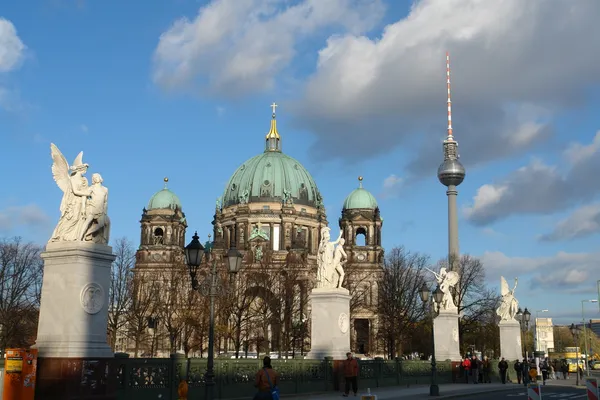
{"x":361,"y":327}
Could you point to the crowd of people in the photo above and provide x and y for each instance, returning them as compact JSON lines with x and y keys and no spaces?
{"x":475,"y":370}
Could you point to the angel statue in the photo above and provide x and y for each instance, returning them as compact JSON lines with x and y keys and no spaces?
{"x":446,"y":280}
{"x":75,"y":220}
{"x":509,"y":306}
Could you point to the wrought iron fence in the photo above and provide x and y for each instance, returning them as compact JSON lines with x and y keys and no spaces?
{"x":133,"y":379}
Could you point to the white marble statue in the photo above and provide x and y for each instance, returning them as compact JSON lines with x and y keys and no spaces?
{"x":83,"y":209}
{"x":330,"y":273}
{"x":509,"y":306}
{"x":446,"y":280}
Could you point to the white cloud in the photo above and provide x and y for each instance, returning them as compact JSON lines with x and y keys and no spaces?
{"x":220,"y":111}
{"x":584,"y":221}
{"x":84,"y":128}
{"x":12,"y":54}
{"x":30,"y":216}
{"x":539,"y":188}
{"x":12,"y":49}
{"x":391,"y":186}
{"x":564,"y":272}
{"x":234,"y":47}
{"x":504,"y":56}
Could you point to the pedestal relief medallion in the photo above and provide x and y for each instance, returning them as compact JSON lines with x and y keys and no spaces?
{"x":92,"y":298}
{"x":344,"y":322}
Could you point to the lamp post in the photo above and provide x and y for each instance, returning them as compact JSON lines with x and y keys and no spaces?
{"x":585,"y":344}
{"x":523,"y":317}
{"x":209,"y":287}
{"x":433,"y":302}
{"x":575,"y":333}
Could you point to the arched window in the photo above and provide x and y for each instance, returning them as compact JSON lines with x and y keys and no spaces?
{"x":158,"y":236}
{"x":361,"y":237}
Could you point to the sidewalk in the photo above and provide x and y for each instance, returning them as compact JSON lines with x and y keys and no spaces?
{"x":447,"y":391}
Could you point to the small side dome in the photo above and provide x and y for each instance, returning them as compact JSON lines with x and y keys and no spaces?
{"x":164,"y":199}
{"x":360,"y":198}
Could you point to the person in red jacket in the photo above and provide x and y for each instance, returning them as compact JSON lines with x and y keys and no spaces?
{"x":350,"y":374}
{"x":466,"y":364}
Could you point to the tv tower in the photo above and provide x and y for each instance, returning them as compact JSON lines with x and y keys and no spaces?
{"x":451,"y":173}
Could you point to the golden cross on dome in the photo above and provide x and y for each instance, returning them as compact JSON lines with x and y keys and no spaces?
{"x":273,"y":106}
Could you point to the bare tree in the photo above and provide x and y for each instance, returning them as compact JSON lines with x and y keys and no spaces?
{"x":20,"y":287}
{"x":399,"y":305}
{"x":119,"y":296}
{"x":145,"y":292}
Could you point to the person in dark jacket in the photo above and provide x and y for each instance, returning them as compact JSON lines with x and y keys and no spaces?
{"x":503,"y":367}
{"x":475,"y":366}
{"x":487,"y":370}
{"x":518,"y":370}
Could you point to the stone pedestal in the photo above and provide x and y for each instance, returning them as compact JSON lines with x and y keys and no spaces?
{"x":74,"y":303}
{"x":330,"y":324}
{"x":510,"y":340}
{"x":445,"y":332}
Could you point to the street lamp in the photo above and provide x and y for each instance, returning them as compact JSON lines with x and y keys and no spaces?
{"x":585,"y":344}
{"x":438,"y":295}
{"x":575,"y":333}
{"x":523,"y":317}
{"x":209,"y":287}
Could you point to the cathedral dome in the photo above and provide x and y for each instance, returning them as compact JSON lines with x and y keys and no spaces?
{"x":360,"y":198}
{"x":272,"y":177}
{"x":267,"y":178}
{"x":164,"y":199}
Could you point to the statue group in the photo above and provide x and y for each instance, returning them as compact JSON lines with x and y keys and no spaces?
{"x":446,"y":280}
{"x":331,"y":259}
{"x":83,"y":209}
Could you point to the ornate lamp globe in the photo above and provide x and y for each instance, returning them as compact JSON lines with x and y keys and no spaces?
{"x":451,"y":172}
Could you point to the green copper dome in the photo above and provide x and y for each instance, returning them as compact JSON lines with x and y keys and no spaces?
{"x":164,"y":199}
{"x":360,"y":198}
{"x":269,"y":177}
{"x":272,"y":177}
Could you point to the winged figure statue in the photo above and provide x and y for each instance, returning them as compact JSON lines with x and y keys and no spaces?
{"x":82,"y":208}
{"x":446,"y":280}
{"x":509,"y":306}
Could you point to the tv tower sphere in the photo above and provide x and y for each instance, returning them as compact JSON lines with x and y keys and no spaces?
{"x":451,"y":172}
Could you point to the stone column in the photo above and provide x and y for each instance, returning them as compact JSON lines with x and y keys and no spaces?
{"x":74,"y":303}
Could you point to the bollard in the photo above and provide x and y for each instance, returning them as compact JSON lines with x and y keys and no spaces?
{"x":591,"y":388}
{"x":534,"y":392}
{"x":368,"y":396}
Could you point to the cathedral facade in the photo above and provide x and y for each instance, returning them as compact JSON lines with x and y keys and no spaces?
{"x":272,"y":211}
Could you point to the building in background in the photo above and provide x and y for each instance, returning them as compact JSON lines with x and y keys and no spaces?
{"x":544,"y":334}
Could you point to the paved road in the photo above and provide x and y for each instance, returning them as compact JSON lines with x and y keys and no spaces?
{"x":548,"y":392}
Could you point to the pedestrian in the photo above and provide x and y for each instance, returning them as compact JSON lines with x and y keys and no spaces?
{"x":518,"y":370}
{"x":503,"y":367}
{"x":475,"y":365}
{"x":466,"y":364}
{"x":552,"y":372}
{"x":544,"y":368}
{"x":267,"y":381}
{"x":565,"y":370}
{"x":525,"y":371}
{"x":350,"y":374}
{"x":487,"y":369}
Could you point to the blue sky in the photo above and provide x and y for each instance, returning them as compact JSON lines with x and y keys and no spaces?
{"x":182,"y":88}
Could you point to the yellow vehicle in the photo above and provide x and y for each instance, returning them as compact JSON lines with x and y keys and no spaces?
{"x":569,"y":356}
